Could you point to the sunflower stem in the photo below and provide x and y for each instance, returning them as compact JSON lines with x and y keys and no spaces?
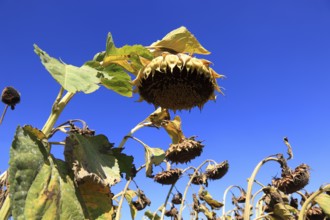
{"x":224,"y":200}
{"x":136,"y":128}
{"x":188,"y":185}
{"x":250,"y":184}
{"x":166,"y":200}
{"x":120,"y":204}
{"x":3,"y":114}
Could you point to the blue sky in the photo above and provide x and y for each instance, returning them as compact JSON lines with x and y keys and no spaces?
{"x":274,"y":54}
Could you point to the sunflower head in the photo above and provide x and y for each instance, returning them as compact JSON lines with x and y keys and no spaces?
{"x":177,"y":81}
{"x":293,"y":181}
{"x":184,"y":151}
{"x":10,"y":96}
{"x":215,"y":172}
{"x":168,"y":177}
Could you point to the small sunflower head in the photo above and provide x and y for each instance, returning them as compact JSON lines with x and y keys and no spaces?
{"x":315,"y":213}
{"x":199,"y":179}
{"x":10,"y":96}
{"x":294,"y":181}
{"x":215,"y":172}
{"x":177,"y":198}
{"x":184,"y":151}
{"x":177,"y":81}
{"x":168,"y":177}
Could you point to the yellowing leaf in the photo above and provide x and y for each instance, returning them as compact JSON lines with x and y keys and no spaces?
{"x":153,"y":156}
{"x":206,"y":196}
{"x":129,"y":195}
{"x":181,"y":41}
{"x":158,"y":117}
{"x":173,"y":128}
{"x":324,"y":202}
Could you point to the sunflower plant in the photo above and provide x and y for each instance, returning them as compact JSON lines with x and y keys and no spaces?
{"x":168,"y":75}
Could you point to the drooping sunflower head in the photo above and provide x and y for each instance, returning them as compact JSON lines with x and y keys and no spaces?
{"x":168,"y":177}
{"x":215,"y":172}
{"x":184,"y":151}
{"x":177,"y":81}
{"x":10,"y":96}
{"x":293,"y":181}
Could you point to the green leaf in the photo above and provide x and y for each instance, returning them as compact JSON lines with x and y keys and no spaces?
{"x":113,"y":77}
{"x":27,"y":155}
{"x":153,"y":156}
{"x":129,"y":195}
{"x":71,"y":78}
{"x":52,"y":194}
{"x":181,"y":41}
{"x":94,"y":156}
{"x":126,"y":56}
{"x":323,"y":200}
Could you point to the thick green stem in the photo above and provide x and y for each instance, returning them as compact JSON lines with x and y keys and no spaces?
{"x":122,"y":200}
{"x":250,"y":184}
{"x":305,"y":207}
{"x":57,"y":109}
{"x":166,"y":200}
{"x":188,"y":185}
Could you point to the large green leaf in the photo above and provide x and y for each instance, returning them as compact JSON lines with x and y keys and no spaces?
{"x":52,"y":194}
{"x":284,"y":212}
{"x":126,"y":56}
{"x":181,"y":41}
{"x":26,"y":158}
{"x":71,"y":78}
{"x":113,"y":77}
{"x":323,"y":200}
{"x":95,"y":157}
{"x":153,"y":156}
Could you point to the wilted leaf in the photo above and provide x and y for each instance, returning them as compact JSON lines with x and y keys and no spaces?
{"x":97,"y":198}
{"x":158,"y":117}
{"x":209,"y":214}
{"x":52,"y":194}
{"x":181,"y":41}
{"x":206,"y":196}
{"x":94,"y":156}
{"x":173,"y":128}
{"x":27,"y":155}
{"x":153,"y":156}
{"x":126,"y":56}
{"x":151,"y":216}
{"x":129,"y":195}
{"x":113,"y":77}
{"x":323,"y":200}
{"x":71,"y":78}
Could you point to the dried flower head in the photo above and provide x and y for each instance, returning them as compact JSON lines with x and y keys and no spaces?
{"x":177,"y":198}
{"x":293,"y":181}
{"x":199,"y":179}
{"x":177,"y":81}
{"x":10,"y":96}
{"x":315,"y":213}
{"x":215,"y":172}
{"x":184,"y":151}
{"x":168,"y":177}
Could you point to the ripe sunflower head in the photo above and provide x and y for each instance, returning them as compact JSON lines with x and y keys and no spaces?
{"x":168,"y":177}
{"x":177,"y":81}
{"x":293,"y":181}
{"x":215,"y":172}
{"x":10,"y":96}
{"x":184,"y":151}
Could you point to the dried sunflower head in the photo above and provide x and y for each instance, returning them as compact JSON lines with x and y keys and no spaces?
{"x":177,"y":199}
{"x":199,"y":179}
{"x":293,"y":181}
{"x":215,"y":172}
{"x":168,"y":177}
{"x":184,"y":151}
{"x":177,"y":81}
{"x":10,"y":96}
{"x":315,"y":213}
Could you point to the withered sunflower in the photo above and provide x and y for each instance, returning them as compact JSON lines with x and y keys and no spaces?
{"x":293,"y":181}
{"x":217,"y":171}
{"x":10,"y":96}
{"x":184,"y":151}
{"x":177,"y":81}
{"x":168,"y":177}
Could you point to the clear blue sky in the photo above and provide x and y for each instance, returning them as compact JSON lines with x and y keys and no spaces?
{"x":275,"y":55}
